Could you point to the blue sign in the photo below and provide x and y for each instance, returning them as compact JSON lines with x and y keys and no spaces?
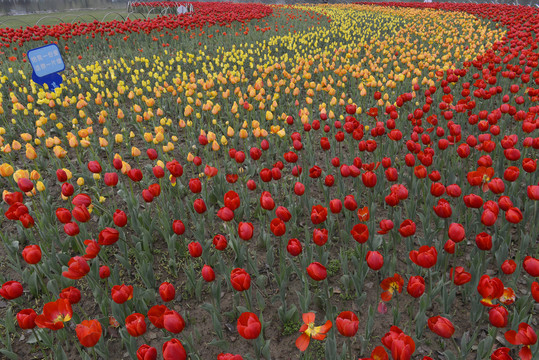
{"x":46,"y":62}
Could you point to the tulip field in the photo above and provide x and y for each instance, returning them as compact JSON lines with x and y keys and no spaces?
{"x":250,"y":181}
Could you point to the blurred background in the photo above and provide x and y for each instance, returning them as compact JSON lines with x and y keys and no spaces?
{"x":24,"y":7}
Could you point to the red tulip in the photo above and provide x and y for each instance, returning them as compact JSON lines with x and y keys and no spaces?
{"x":61,"y":175}
{"x":251,"y":185}
{"x":89,"y":332}
{"x":81,"y":213}
{"x":496,"y":185}
{"x":483,"y":241}
{"x":460,"y":276}
{"x":513,"y":215}
{"x":174,"y":350}
{"x":26,"y":185}
{"x":421,"y":172}
{"x":135,"y":324}
{"x":67,"y":189}
{"x":407,"y":228}
{"x":232,"y":200}
{"x":318,"y":214}
{"x":81,"y":199}
{"x":200,"y":206}
{"x":360,"y":233}
{"x":146,"y":352}
{"x":391,"y":174}
{"x":437,"y":189}
{"x":178,"y":227}
{"x":498,"y":316}
{"x":453,"y":190}
{"x":175,"y":168}
{"x":135,"y":175}
{"x":299,"y":189}
{"x":245,"y":230}
{"x":195,"y":185}
{"x":26,"y":319}
{"x":488,"y":218}
{"x":94,"y":167}
{"x":121,"y":293}
{"x":531,"y":266}
{"x":443,"y":209}
{"x":266,"y":201}
{"x":11,"y":290}
{"x":449,"y":246}
{"x":386,"y":225}
{"x":55,"y":314}
{"x":167,"y":291}
{"x":369,"y":179}
{"x":441,"y":326}
{"x":363,"y":214}
{"x":72,"y":294}
{"x":195,"y":249}
{"x":225,"y":214}
{"x":108,"y":236}
{"x":426,"y":257}
{"x":111,"y":179}
{"x":401,"y":345}
{"x":375,"y":260}
{"x":456,"y":232}
{"x":229,"y":356}
{"x":416,"y":286}
{"x":350,"y":203}
{"x":158,"y":172}
{"x":240,"y":279}
{"x":207,"y":273}
{"x":294,"y":247}
{"x":104,"y":272}
{"x":62,"y":214}
{"x":173,"y":321}
{"x":529,"y":165}
{"x":71,"y":229}
{"x":317,"y":271}
{"x":278,"y":227}
{"x":119,"y":218}
{"x":533,"y":192}
{"x":249,"y":326}
{"x":389,"y":285}
{"x":505,"y":203}
{"x":335,"y":206}
{"x":347,"y":323}
{"x":501,"y":354}
{"x":282,"y":213}
{"x":320,"y":236}
{"x":473,"y":201}
{"x":220,"y":242}
{"x":535,"y":291}
{"x":525,"y":336}
{"x":509,"y":266}
{"x":31,"y":254}
{"x":490,"y":289}
{"x":78,"y":268}
{"x":155,"y":314}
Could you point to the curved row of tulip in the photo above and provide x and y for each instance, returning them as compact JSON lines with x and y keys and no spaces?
{"x":441,"y":169}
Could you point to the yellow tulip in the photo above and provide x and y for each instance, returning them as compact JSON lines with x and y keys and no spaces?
{"x":6,"y":170}
{"x":19,"y":174}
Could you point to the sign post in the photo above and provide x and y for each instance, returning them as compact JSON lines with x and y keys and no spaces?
{"x":46,"y":62}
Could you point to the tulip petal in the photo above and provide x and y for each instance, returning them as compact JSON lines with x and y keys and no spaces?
{"x":302,"y":342}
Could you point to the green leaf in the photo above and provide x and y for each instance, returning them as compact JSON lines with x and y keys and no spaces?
{"x":221,"y":344}
{"x":59,"y":353}
{"x":9,"y":354}
{"x":449,"y":355}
